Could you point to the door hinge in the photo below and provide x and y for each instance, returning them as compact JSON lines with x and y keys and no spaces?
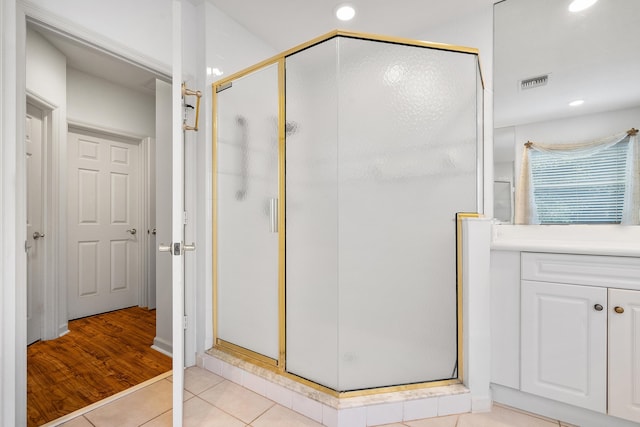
{"x":184,"y":323}
{"x":185,"y":218}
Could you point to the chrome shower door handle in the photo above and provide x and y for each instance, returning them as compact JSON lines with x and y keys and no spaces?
{"x":273,"y":215}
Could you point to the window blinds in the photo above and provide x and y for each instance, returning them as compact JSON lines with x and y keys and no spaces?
{"x":585,"y":189}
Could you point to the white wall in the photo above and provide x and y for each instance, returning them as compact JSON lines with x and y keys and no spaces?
{"x":46,"y":70}
{"x":230,"y":46}
{"x":108,"y":106}
{"x":503,"y":171}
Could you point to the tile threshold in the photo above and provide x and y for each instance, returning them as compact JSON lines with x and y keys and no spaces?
{"x":325,"y":398}
{"x":82,"y":411}
{"x":328,"y":410}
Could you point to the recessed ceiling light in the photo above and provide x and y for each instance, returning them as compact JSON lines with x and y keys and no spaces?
{"x":345,"y":12}
{"x":578,"y":5}
{"x":576,"y":103}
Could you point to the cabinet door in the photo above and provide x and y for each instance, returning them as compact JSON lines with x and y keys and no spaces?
{"x":564,"y":343}
{"x":624,"y":354}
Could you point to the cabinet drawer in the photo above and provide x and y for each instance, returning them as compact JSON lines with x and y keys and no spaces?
{"x":588,"y":270}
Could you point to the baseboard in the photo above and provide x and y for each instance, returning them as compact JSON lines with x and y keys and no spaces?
{"x":162,"y":346}
{"x":554,"y":409}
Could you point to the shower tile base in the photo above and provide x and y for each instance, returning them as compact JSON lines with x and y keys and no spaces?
{"x":361,"y":411}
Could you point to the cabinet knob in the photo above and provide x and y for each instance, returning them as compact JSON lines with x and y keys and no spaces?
{"x":619,"y":310}
{"x":598,"y":307}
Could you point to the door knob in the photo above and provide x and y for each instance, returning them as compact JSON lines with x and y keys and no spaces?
{"x":598,"y":307}
{"x":133,"y":231}
{"x":619,"y":310}
{"x":191,"y":247}
{"x":164,"y":248}
{"x":37,"y":235}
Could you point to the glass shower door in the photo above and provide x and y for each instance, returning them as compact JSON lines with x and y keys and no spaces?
{"x":245,"y":214}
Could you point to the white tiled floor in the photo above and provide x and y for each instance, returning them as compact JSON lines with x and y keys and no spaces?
{"x":212,"y":401}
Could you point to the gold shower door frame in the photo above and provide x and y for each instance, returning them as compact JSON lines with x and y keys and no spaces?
{"x":218,"y":343}
{"x":279,"y":365}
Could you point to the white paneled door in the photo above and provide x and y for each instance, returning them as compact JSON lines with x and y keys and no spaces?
{"x":35,"y":232}
{"x":103,"y":229}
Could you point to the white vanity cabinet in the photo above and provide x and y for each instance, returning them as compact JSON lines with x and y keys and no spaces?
{"x":624,"y":354}
{"x":564,"y":343}
{"x":580,"y":331}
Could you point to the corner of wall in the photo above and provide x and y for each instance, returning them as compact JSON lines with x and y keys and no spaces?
{"x":476,"y":318}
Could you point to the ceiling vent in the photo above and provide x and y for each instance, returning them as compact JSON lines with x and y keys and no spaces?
{"x":534,"y":82}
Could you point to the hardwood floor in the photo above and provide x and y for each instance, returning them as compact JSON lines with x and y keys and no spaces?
{"x":100,"y":356}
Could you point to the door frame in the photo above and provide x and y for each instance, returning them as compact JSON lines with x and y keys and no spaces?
{"x":55,"y":318}
{"x":143,"y":186}
{"x":14,"y":15}
{"x":50,"y":216}
{"x":148,"y":152}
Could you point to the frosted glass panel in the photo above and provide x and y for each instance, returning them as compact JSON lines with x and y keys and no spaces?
{"x":407,"y":162}
{"x":373,"y":185}
{"x":312,"y":221}
{"x":247,"y":180}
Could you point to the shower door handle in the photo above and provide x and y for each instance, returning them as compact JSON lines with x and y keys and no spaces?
{"x":273,"y":215}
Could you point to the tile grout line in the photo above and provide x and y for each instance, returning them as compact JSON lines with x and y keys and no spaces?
{"x":265,"y":411}
{"x":220,"y":409}
{"x":156,"y":417}
{"x":273,"y":403}
{"x":229,"y":413}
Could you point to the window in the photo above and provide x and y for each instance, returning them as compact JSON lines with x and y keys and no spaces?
{"x":574,"y":188}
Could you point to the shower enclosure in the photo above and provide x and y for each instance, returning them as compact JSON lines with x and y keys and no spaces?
{"x":339,"y":167}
